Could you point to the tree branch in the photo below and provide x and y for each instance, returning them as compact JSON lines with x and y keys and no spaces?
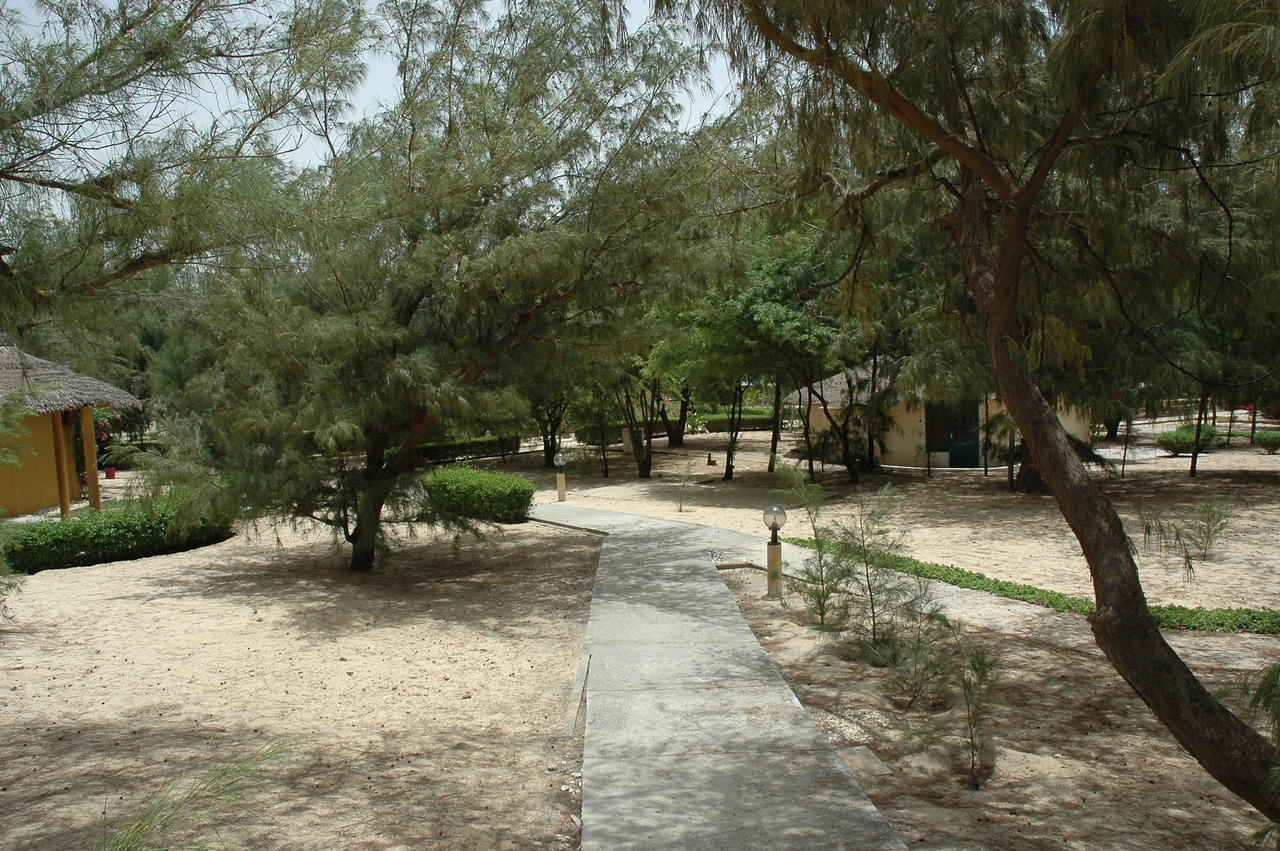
{"x":893,"y":103}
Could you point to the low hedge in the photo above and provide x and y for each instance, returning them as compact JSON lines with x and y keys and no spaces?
{"x":1167,"y":617}
{"x":612,"y":433}
{"x":479,"y":495}
{"x":1268,"y":440}
{"x":469,"y":447}
{"x":1182,"y":439}
{"x":113,"y":534}
{"x":750,"y":422}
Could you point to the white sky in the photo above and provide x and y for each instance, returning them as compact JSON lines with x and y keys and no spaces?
{"x":378,"y":89}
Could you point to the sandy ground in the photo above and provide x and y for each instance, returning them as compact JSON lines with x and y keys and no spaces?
{"x":972,"y":521}
{"x":1080,"y":762}
{"x":434,"y":702}
{"x":429,"y":704}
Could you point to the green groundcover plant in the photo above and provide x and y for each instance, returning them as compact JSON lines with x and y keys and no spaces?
{"x":1182,"y":440}
{"x":1268,"y":440}
{"x":1168,"y":617}
{"x":133,"y":531}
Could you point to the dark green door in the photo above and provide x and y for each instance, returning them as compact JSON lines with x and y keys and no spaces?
{"x":964,"y":441}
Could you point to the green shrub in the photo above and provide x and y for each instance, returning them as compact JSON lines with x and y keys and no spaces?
{"x":115,"y":534}
{"x":469,"y":447}
{"x":1182,"y":439}
{"x":479,"y":495}
{"x":1268,"y":440}
{"x":612,"y":433}
{"x":750,"y":422}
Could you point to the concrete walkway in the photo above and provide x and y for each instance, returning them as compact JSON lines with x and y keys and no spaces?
{"x":693,"y":739}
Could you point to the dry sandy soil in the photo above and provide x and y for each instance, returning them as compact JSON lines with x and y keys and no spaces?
{"x":431,"y":703}
{"x":434,"y":702}
{"x":1080,"y":761}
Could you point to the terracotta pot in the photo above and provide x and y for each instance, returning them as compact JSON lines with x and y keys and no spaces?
{"x":110,"y":471}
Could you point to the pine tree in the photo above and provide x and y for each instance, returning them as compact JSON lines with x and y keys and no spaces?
{"x":1028,"y":132}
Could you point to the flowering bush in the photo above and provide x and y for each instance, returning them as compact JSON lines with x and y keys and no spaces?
{"x":107,"y":424}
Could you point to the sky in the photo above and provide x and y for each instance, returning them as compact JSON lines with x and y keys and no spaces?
{"x":379,"y":87}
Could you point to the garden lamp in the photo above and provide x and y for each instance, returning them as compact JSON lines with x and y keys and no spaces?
{"x":775,"y":517}
{"x":559,"y":462}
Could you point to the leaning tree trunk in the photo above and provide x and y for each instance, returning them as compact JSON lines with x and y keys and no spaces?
{"x":1232,"y":752}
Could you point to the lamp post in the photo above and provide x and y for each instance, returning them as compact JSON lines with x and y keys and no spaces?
{"x":775,"y":517}
{"x":559,"y":462}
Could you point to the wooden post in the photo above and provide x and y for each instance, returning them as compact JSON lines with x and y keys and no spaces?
{"x":773,"y":568}
{"x":60,"y":463}
{"x":560,"y":495}
{"x":90,"y":447}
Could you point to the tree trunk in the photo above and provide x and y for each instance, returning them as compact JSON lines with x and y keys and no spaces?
{"x":1232,"y":752}
{"x":549,"y":419}
{"x":675,"y":431}
{"x":806,"y":411}
{"x":871,"y":415}
{"x":1009,"y":470}
{"x":776,"y":437}
{"x":364,"y":537}
{"x":1195,"y":445}
{"x":1029,"y":479}
{"x":640,"y":425}
{"x":735,"y":429}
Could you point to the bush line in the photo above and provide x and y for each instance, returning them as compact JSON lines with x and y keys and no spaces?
{"x":479,"y":494}
{"x":1265,"y":621}
{"x":112,"y":534}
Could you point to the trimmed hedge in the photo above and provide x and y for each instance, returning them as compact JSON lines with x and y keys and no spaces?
{"x":1167,"y":617}
{"x":612,"y":433}
{"x":1268,"y":440}
{"x":479,"y":495}
{"x":750,"y":422}
{"x":1183,"y":439}
{"x":113,"y":534}
{"x":469,"y":447}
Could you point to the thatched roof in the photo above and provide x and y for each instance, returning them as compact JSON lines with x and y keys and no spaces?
{"x":54,"y":387}
{"x":833,"y":388}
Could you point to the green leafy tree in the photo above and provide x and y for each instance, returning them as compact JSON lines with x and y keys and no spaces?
{"x":530,"y":175}
{"x":113,"y":161}
{"x":1022,"y":129}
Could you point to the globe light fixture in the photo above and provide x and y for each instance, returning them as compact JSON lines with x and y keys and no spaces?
{"x":775,"y":517}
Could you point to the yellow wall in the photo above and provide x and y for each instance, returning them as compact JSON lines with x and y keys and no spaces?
{"x":904,"y":441}
{"x":33,"y":483}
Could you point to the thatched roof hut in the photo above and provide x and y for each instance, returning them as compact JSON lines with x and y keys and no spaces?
{"x":52,"y":387}
{"x":52,"y":398}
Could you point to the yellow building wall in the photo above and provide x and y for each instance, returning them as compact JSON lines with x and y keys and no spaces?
{"x":33,"y":483}
{"x":904,"y":441}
